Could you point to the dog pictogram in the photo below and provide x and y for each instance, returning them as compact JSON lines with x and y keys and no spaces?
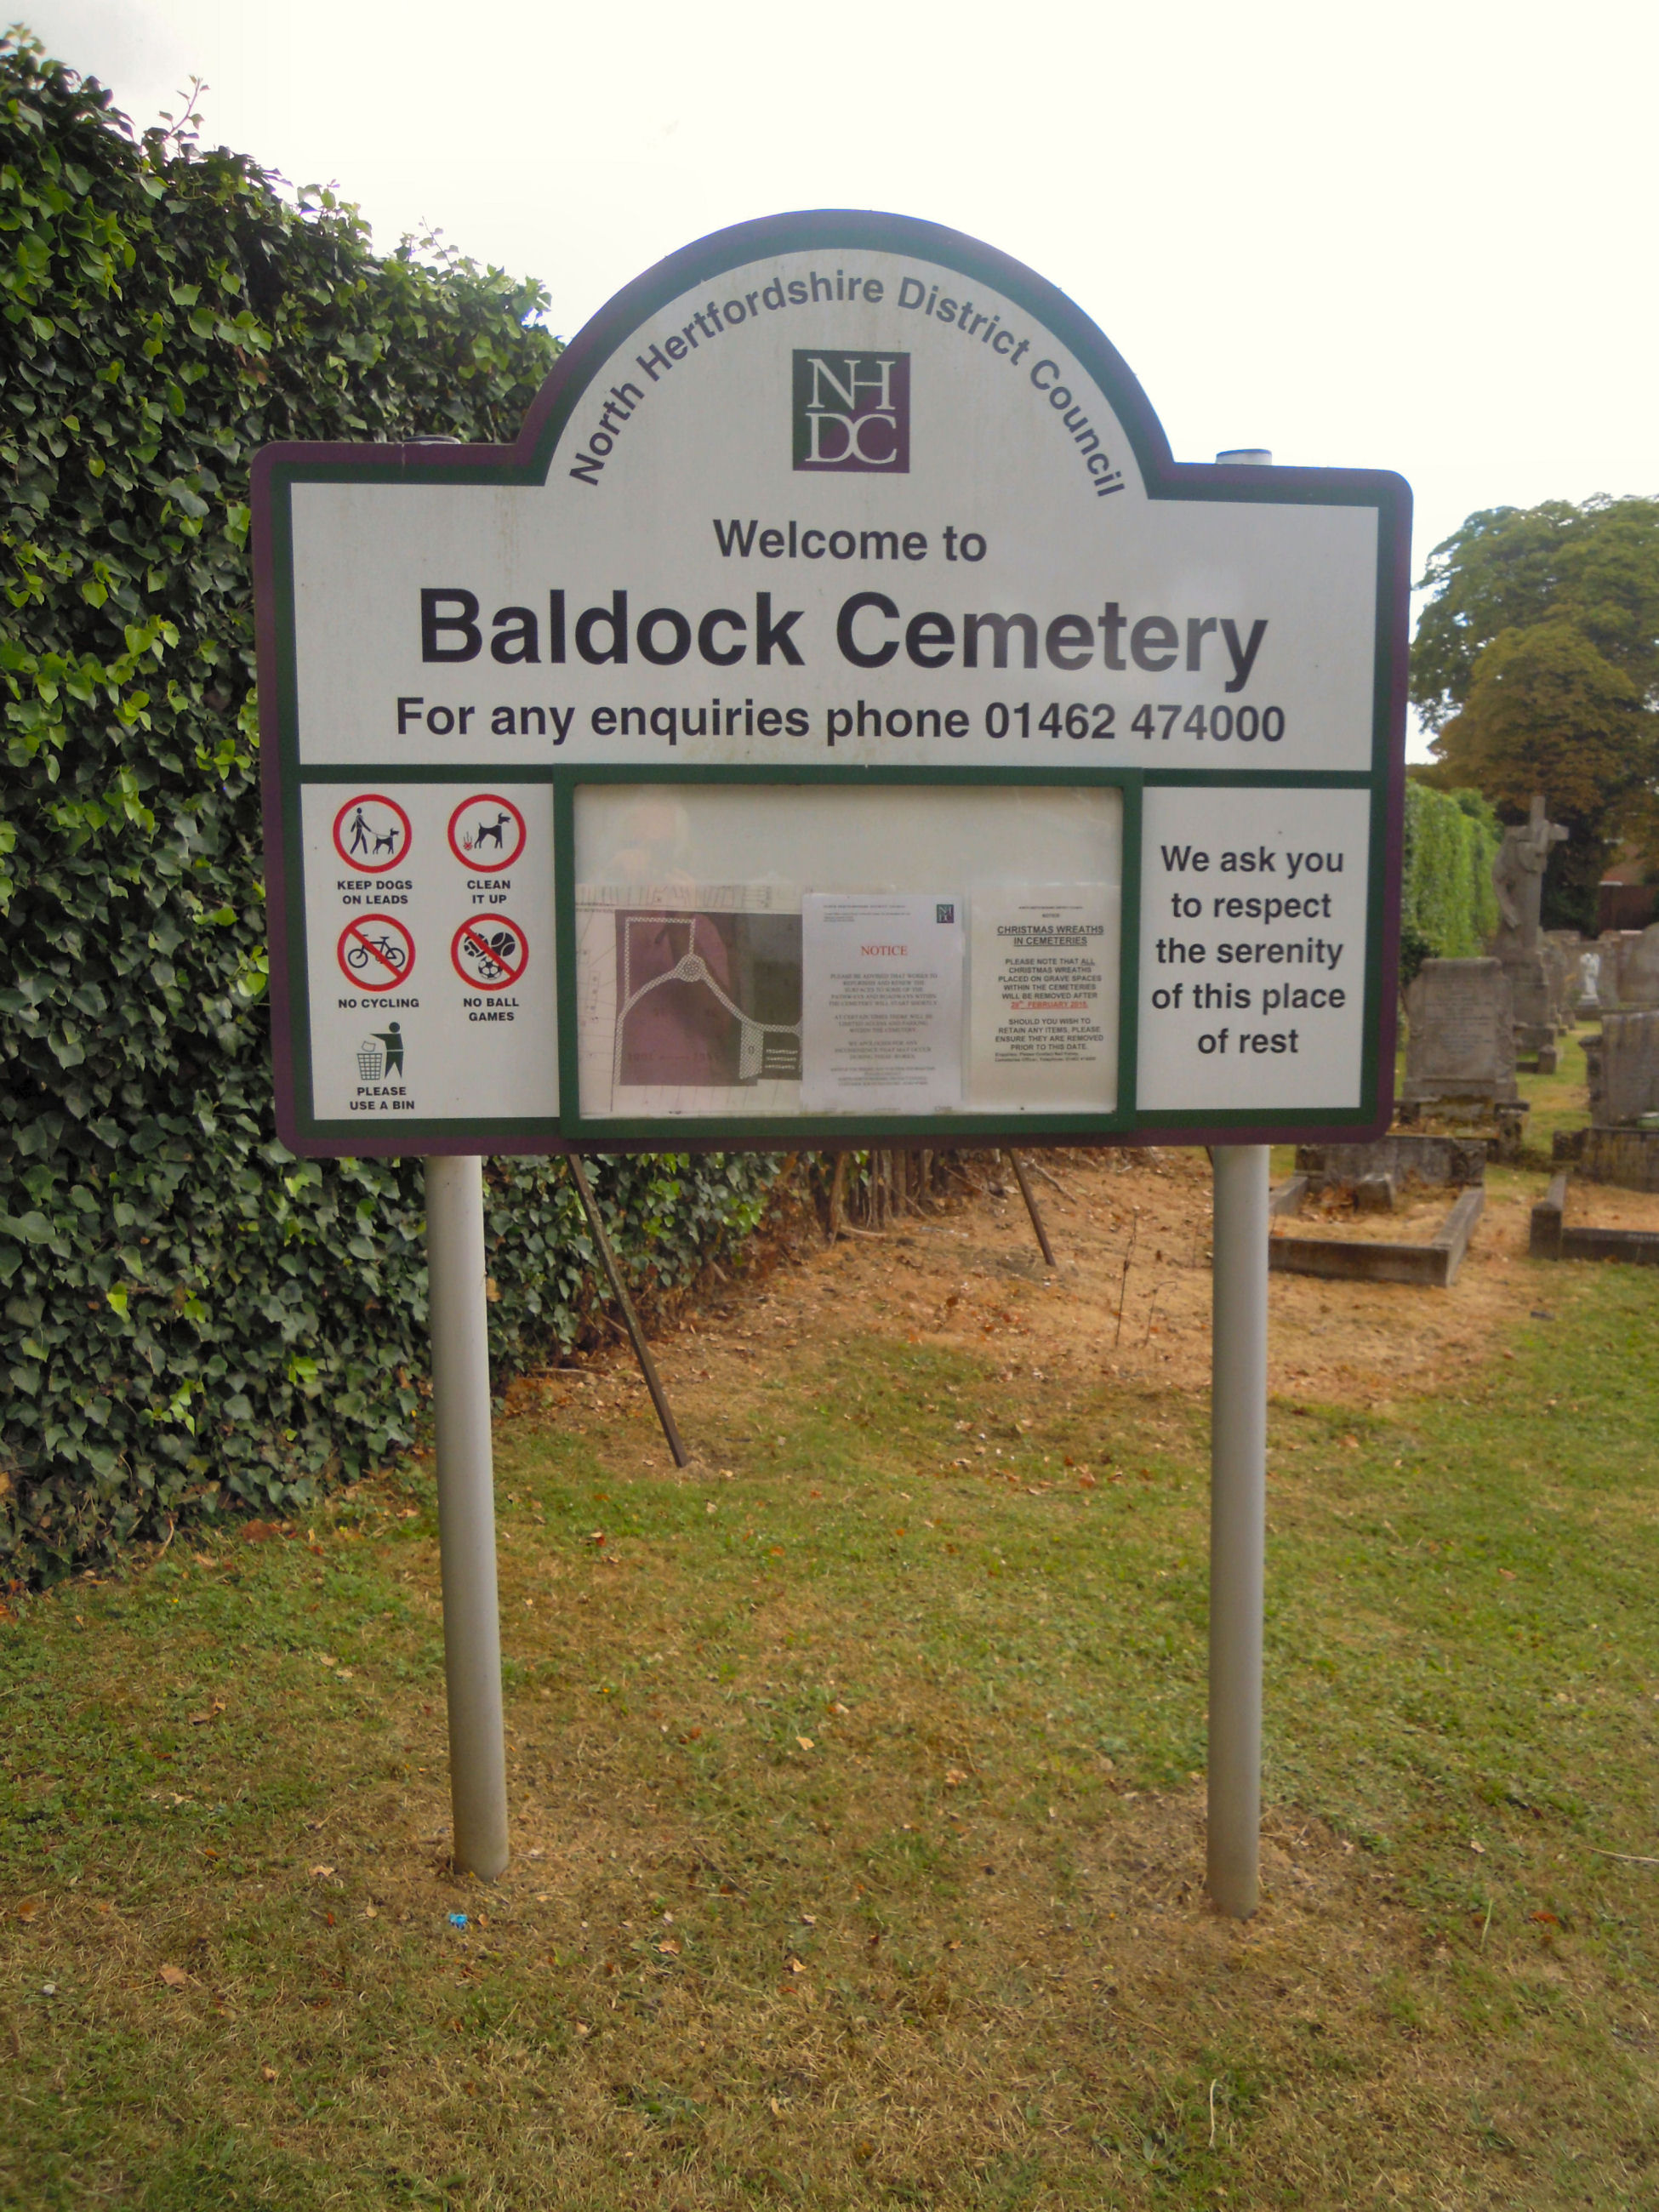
{"x":372,"y":833}
{"x":487,"y":832}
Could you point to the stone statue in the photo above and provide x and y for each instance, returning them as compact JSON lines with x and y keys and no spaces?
{"x":1517,"y":877}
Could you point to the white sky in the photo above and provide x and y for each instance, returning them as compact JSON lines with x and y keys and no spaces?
{"x":1412,"y":236}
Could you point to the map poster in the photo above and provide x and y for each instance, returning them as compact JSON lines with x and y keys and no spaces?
{"x":688,"y":999}
{"x":1043,"y":1026}
{"x":882,"y":1003}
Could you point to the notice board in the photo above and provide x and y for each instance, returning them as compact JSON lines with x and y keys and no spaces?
{"x":836,"y":718}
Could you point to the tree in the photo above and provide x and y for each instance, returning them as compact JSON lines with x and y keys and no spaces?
{"x":1536,"y":661}
{"x":1545,"y":712}
{"x":1511,"y":567}
{"x":1448,"y":906}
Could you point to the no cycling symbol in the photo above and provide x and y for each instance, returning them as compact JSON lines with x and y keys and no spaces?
{"x":486,"y":832}
{"x":372,"y":833}
{"x":488,"y":951}
{"x":375,"y":952}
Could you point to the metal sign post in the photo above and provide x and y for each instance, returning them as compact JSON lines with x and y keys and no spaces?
{"x":466,"y":1512}
{"x":1238,"y":1505}
{"x":837,"y":721}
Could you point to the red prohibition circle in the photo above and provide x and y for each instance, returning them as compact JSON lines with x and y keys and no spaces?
{"x":475,"y":932}
{"x":375,"y":952}
{"x":372,"y":866}
{"x":502,"y":857}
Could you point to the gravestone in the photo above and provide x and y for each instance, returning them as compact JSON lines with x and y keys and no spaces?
{"x":1639,"y":969}
{"x":1407,"y":1159}
{"x":1517,"y":877}
{"x":1461,"y":1042}
{"x":1560,"y":971}
{"x":1625,"y":1077}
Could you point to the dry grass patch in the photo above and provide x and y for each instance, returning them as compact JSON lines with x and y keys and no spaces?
{"x":856,"y":1779}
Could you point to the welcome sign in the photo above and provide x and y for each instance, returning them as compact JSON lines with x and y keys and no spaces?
{"x":837,"y":718}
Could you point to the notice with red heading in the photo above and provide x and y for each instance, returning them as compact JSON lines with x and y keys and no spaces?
{"x":881,"y":1002}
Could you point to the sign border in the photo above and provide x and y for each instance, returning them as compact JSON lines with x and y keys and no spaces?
{"x":528,"y":459}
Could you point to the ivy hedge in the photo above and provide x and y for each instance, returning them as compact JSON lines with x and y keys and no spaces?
{"x":1448,"y":908}
{"x":192,"y":1316}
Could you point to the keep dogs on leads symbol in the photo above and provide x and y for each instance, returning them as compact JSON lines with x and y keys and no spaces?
{"x":372,"y":833}
{"x":375,"y":952}
{"x":486,"y":832}
{"x":488,"y":951}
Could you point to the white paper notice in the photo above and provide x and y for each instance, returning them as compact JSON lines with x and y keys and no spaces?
{"x":881,"y":1003}
{"x":1043,"y":1033}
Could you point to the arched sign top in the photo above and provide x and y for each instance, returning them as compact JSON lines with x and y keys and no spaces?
{"x":836,"y":494}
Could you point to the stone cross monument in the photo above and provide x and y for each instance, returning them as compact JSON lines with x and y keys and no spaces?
{"x":1517,"y":877}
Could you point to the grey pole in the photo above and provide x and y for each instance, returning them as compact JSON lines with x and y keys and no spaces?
{"x":1238,"y":1512}
{"x":466,"y":1513}
{"x":1238,"y":1504}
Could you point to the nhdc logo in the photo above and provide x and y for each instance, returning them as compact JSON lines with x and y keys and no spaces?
{"x":852,"y":410}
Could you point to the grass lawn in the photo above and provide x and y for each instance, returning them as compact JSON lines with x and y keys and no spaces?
{"x":857,"y":1789}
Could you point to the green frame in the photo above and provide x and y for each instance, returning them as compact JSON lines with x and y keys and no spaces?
{"x":279,"y":468}
{"x":829,"y":1129}
{"x":1294,"y":1119}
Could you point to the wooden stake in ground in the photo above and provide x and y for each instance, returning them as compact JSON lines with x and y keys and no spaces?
{"x":636,"y":1335}
{"x":1029,"y":1196}
{"x":838,"y":1197}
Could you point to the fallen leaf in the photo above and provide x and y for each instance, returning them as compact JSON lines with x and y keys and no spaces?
{"x":954,"y":1778}
{"x":267,"y":2072}
{"x":1473,"y":1846}
{"x":174,"y":1977}
{"x":321,"y":1873}
{"x":1547,"y":1919}
{"x":371,"y":1912}
{"x":327,"y":1659}
{"x":806,"y":1743}
{"x":669,"y":1947}
{"x":28,"y":1911}
{"x":795,"y":1966}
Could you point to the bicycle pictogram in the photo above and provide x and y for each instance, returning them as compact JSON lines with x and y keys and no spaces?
{"x":486,"y":832}
{"x":488,"y":951}
{"x":372,"y":833}
{"x":375,"y":952}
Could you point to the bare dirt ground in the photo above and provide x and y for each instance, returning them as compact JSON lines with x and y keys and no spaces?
{"x":1130,"y":1298}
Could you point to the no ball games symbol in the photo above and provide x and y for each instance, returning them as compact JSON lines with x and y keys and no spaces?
{"x":375,"y":952}
{"x":488,"y":951}
{"x":372,"y":833}
{"x":486,"y":832}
